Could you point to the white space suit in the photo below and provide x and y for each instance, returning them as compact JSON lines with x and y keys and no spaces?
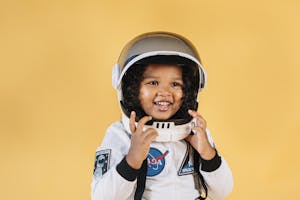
{"x":173,"y":169}
{"x":170,"y":171}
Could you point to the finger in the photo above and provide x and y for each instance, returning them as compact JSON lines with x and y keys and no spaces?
{"x":142,"y":122}
{"x":132,"y":122}
{"x":201,"y":122}
{"x":188,"y":138}
{"x":198,"y":129}
{"x":150,"y":134}
{"x":193,"y":113}
{"x":199,"y":119}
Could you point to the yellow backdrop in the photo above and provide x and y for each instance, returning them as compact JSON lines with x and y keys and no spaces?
{"x":57,"y":100}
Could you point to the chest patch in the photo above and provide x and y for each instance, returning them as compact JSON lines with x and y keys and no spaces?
{"x":102,"y":162}
{"x":155,"y":161}
{"x":187,"y":166}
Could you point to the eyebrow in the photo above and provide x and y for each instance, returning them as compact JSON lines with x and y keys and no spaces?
{"x":176,"y":78}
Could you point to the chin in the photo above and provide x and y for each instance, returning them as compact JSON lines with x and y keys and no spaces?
{"x":161,"y":117}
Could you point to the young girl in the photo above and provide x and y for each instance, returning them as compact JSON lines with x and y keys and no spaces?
{"x":161,"y":149}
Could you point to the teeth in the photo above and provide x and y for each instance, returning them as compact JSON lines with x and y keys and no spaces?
{"x":162,"y":103}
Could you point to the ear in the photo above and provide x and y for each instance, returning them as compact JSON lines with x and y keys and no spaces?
{"x":115,"y":75}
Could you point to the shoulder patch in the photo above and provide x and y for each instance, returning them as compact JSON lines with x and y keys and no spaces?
{"x":102,"y":162}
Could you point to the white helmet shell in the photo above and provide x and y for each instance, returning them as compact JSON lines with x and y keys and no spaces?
{"x":157,"y":44}
{"x":152,"y":44}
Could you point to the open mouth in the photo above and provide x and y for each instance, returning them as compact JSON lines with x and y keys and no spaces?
{"x":162,"y":105}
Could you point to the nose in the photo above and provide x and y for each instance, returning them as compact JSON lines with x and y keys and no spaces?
{"x":164,"y":90}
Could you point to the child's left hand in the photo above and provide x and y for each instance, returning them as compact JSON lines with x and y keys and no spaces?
{"x":199,"y":140}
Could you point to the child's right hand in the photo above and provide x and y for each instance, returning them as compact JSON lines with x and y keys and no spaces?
{"x":140,"y":141}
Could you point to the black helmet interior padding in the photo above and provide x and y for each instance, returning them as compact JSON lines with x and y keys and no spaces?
{"x":166,"y":59}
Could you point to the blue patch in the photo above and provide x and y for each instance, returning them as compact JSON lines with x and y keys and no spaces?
{"x":186,"y":169}
{"x":187,"y":166}
{"x":156,"y":161}
{"x":102,"y":162}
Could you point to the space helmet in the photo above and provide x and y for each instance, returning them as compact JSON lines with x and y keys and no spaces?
{"x":160,"y":48}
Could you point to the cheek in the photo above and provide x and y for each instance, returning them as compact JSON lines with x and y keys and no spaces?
{"x":178,"y":95}
{"x":144,"y":95}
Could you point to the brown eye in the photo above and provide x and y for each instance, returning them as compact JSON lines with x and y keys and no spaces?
{"x":153,"y":83}
{"x":176,"y":84}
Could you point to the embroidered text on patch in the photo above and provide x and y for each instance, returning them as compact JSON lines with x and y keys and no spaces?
{"x":102,"y":162}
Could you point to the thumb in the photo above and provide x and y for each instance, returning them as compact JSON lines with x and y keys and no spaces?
{"x":132,"y":122}
{"x":188,"y":138}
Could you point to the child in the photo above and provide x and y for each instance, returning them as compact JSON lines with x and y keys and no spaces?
{"x":161,"y":149}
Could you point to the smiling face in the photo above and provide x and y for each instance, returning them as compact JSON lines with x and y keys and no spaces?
{"x":161,"y":90}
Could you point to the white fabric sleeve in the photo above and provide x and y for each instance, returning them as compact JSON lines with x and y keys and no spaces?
{"x":110,"y":185}
{"x":220,"y":181}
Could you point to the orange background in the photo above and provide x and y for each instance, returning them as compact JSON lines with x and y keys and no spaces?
{"x":56,"y":97}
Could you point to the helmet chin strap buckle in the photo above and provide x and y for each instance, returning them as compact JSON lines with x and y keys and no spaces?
{"x":167,"y":131}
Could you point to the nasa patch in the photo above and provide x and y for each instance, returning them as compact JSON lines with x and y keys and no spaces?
{"x":102,"y":162}
{"x":156,"y":161}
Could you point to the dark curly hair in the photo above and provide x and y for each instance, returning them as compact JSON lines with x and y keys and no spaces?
{"x":134,"y":75}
